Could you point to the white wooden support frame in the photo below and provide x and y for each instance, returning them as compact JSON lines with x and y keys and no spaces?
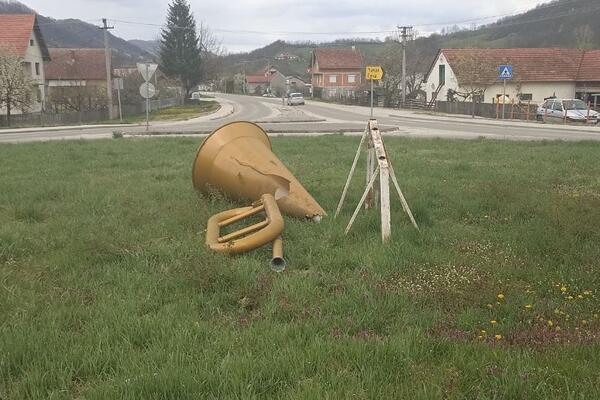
{"x":378,"y":166}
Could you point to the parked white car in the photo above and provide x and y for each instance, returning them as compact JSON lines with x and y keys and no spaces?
{"x":295,"y":99}
{"x":573,"y":110}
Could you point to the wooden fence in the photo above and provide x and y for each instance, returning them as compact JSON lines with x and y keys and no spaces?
{"x":521,"y":111}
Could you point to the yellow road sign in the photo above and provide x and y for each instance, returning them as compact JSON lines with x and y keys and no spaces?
{"x":374,"y":72}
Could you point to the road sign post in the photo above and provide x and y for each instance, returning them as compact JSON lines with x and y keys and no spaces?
{"x":147,"y":78}
{"x":504,"y":72}
{"x":147,"y":90}
{"x":373,"y":72}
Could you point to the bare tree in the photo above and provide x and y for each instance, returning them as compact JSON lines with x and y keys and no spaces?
{"x":475,"y":73}
{"x":16,"y":86}
{"x":77,"y":98}
{"x":211,"y":51}
{"x":584,"y":37}
{"x":391,"y":61}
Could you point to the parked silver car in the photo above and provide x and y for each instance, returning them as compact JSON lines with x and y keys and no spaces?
{"x":572,"y":109}
{"x":295,"y":99}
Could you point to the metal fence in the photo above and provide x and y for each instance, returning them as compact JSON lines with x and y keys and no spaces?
{"x":84,"y":117}
{"x":522,"y":111}
{"x":52,"y":119}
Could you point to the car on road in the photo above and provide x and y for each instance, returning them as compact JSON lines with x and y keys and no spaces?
{"x":295,"y":99}
{"x":268,"y":95}
{"x":573,"y":110}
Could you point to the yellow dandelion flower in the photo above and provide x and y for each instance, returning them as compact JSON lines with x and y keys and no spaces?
{"x":563,"y":289}
{"x":498,"y":337}
{"x":569,"y":297}
{"x":528,"y":306}
{"x":500,"y":296}
{"x":493,"y":322}
{"x":550,"y":323}
{"x":479,"y":337}
{"x":483,"y":331}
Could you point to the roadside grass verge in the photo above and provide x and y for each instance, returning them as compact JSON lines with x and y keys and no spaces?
{"x":107,"y":290}
{"x":176,"y":113}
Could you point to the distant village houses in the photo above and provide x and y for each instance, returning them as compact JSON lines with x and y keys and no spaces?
{"x":538,"y":73}
{"x":20,"y":34}
{"x":336,"y":71}
{"x":76,"y":79}
{"x":286,"y":57}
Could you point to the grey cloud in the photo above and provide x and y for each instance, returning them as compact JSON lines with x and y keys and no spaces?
{"x":282,"y":16}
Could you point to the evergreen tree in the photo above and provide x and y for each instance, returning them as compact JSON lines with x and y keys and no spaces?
{"x":180,"y":52}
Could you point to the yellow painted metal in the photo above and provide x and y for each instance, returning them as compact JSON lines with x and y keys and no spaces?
{"x":373,"y":72}
{"x":249,"y":238}
{"x":278,"y":262}
{"x":237,"y":159}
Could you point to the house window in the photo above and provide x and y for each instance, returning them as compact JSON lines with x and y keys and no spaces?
{"x":31,"y":42}
{"x":37,"y":68}
{"x":526,"y":96}
{"x":332,"y":78}
{"x":442,"y":73}
{"x":351,"y":78}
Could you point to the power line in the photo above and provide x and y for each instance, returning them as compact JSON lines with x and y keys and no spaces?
{"x":391,"y":31}
{"x":385,"y":31}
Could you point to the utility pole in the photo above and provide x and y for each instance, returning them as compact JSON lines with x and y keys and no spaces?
{"x":405,"y":32}
{"x":312,"y":72}
{"x":107,"y":56}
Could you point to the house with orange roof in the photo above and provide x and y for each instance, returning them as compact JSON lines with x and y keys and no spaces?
{"x":336,"y":71}
{"x":76,"y":79}
{"x":538,"y":73}
{"x":20,"y":34}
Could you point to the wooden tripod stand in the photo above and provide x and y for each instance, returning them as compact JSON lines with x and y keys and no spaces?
{"x":378,"y":163}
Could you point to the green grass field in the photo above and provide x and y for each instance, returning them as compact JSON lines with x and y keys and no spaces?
{"x":107,"y":290}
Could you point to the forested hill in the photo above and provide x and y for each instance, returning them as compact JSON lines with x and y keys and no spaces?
{"x":76,"y":33}
{"x":562,"y":23}
{"x":559,"y":23}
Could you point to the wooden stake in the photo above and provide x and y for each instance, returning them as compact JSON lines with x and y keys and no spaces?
{"x":403,"y":201}
{"x":356,"y":157}
{"x":362,"y":200}
{"x":384,"y":187}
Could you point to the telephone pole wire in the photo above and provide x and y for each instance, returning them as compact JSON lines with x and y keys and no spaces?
{"x":405,"y":32}
{"x":108,"y":61}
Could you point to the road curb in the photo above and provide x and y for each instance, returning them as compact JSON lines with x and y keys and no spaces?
{"x":531,"y":125}
{"x":63,"y":128}
{"x":290,"y":122}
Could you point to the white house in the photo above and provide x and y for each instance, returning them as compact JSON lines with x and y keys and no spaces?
{"x":20,"y":34}
{"x":537,"y":73}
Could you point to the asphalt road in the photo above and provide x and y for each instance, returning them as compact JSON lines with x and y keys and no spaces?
{"x":319,"y":118}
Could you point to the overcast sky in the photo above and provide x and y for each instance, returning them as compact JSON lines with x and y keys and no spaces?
{"x":269,"y":20}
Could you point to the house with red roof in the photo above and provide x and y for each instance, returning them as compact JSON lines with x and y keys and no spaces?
{"x":268,"y":80}
{"x":20,"y":34}
{"x":76,"y":79}
{"x":336,"y":71}
{"x":538,"y":73}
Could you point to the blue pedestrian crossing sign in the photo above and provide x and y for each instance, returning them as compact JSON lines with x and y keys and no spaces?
{"x":505,"y":72}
